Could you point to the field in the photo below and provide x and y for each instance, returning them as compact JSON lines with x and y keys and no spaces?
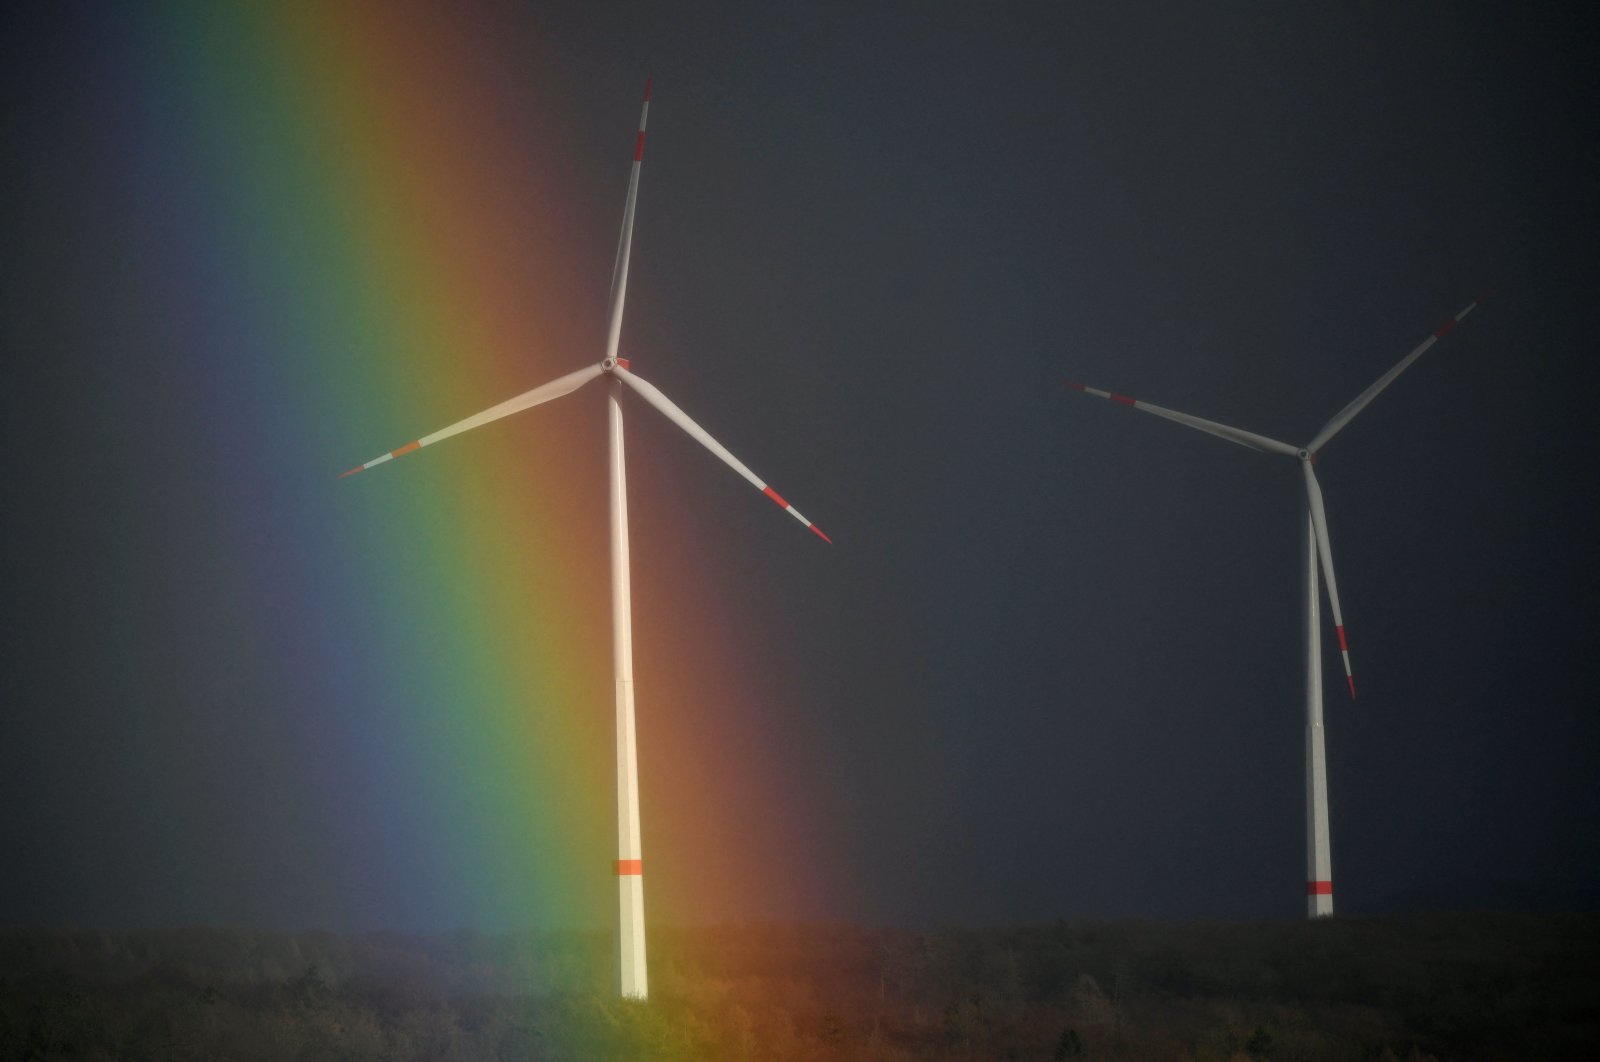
{"x":1445,"y":987}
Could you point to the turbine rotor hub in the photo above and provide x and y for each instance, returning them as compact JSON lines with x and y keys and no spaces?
{"x":608,"y":365}
{"x":1304,"y":455}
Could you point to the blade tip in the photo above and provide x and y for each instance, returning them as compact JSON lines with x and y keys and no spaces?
{"x":821,"y":534}
{"x":647,"y":79}
{"x":353,"y":471}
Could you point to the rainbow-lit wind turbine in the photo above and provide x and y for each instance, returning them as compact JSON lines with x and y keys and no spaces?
{"x":1319,"y":863}
{"x":632,"y":981}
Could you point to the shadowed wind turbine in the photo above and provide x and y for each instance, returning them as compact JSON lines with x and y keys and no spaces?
{"x":632,"y":981}
{"x":1319,"y":865}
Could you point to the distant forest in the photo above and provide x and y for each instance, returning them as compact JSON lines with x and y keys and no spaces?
{"x":1438,"y":987}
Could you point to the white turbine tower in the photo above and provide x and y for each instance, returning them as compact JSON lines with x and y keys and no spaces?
{"x":1319,"y":865}
{"x":632,"y":981}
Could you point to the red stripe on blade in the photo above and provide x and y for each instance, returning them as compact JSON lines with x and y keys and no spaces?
{"x":1352,"y":680}
{"x":353,"y":471}
{"x":1445,"y":328}
{"x":1124,"y":399}
{"x":775,"y":496}
{"x":647,"y":81}
{"x":638,"y":147}
{"x":1075,"y":386}
{"x":406,"y":449}
{"x":1319,"y":888}
{"x":629,"y":867}
{"x":1343,"y":645}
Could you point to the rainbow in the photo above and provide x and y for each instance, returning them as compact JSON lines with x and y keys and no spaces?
{"x":347,"y":229}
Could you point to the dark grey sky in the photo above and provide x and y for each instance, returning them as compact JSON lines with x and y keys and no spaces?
{"x":1052,"y":666}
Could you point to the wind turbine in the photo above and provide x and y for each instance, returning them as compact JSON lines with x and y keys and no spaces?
{"x":1319,"y":865}
{"x":632,"y":981}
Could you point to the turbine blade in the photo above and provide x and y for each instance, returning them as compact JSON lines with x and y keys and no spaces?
{"x":651,"y":394}
{"x":554,"y":389}
{"x":1319,"y":520}
{"x":1210,"y":427}
{"x":619,"y":268}
{"x":1347,"y":414}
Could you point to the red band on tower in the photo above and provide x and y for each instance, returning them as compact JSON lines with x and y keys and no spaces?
{"x":627,"y":868}
{"x":1319,"y":888}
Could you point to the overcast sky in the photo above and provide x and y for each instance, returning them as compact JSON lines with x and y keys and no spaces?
{"x":1052,"y":664}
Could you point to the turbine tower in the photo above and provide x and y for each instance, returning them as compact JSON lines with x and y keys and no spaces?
{"x":632,"y":979}
{"x":1319,"y":862}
